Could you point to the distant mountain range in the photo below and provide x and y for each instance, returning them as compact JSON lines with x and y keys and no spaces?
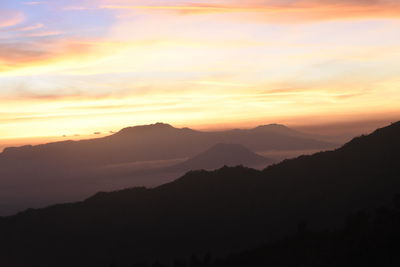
{"x":157,"y":142}
{"x":221,"y":211}
{"x":72,"y":170}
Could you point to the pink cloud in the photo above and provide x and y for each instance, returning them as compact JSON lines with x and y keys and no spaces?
{"x":34,"y":3}
{"x":30,"y":27}
{"x":10,"y":18}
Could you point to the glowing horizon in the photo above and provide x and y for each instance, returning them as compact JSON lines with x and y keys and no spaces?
{"x":108,"y":64}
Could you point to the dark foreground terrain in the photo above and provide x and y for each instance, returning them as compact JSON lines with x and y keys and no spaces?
{"x":231,"y":210}
{"x":365,"y":239}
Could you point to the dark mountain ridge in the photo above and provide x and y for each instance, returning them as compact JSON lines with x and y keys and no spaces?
{"x":226,"y":210}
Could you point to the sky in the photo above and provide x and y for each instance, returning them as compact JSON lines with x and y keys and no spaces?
{"x":70,"y":67}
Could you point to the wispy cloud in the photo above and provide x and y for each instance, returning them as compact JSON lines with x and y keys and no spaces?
{"x":302,"y":10}
{"x":10,"y":18}
{"x":30,"y":27}
{"x":45,"y":33}
{"x":34,"y":3}
{"x":78,"y":8}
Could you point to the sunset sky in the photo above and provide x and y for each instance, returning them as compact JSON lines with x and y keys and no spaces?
{"x":74,"y":67}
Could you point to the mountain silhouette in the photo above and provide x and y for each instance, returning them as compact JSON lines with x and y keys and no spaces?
{"x":221,"y":211}
{"x":278,"y":128}
{"x":67,"y":171}
{"x":156,"y":142}
{"x":222,"y":155}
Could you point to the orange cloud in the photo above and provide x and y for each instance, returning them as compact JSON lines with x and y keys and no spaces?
{"x":15,"y":56}
{"x":307,"y":10}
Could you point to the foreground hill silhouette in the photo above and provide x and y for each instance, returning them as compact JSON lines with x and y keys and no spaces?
{"x":37,"y":176}
{"x":222,"y":211}
{"x":222,"y":155}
